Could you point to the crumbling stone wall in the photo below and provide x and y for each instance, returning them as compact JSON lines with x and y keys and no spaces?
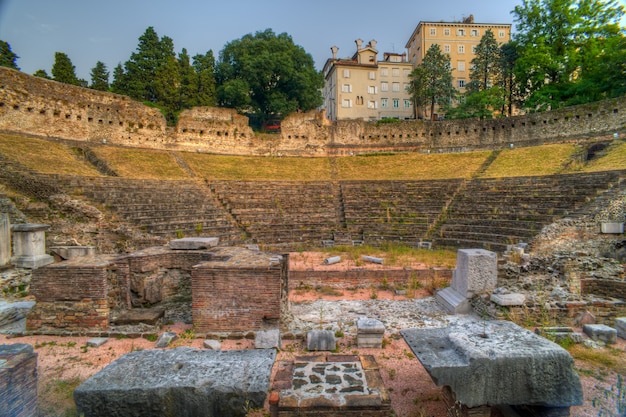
{"x":41,"y":107}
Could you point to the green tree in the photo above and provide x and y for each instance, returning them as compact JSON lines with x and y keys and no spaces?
{"x":508,"y":58}
{"x":188,"y":80}
{"x":63,"y":70}
{"x":204,"y":66}
{"x":100,"y":77}
{"x":431,"y":81}
{"x":141,"y":69}
{"x":42,"y":74}
{"x":485,"y":72}
{"x":7,"y":57}
{"x":555,"y":40}
{"x":267,"y":74}
{"x":479,"y":104}
{"x":119,"y":84}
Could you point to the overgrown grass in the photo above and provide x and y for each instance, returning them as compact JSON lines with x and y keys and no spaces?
{"x":397,"y":255}
{"x":413,"y":166}
{"x":609,"y":358}
{"x":536,"y":160}
{"x":613,"y":160}
{"x":44,"y":156}
{"x":141,"y":163}
{"x":257,"y":168}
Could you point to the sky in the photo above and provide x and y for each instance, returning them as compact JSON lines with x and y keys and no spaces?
{"x":89,"y":31}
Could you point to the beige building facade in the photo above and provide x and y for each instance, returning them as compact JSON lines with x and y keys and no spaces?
{"x":362,"y":87}
{"x":457,"y":39}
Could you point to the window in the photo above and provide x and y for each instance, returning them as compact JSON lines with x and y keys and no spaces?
{"x":395,"y":87}
{"x":460,"y":32}
{"x":395,"y":72}
{"x":384,"y":72}
{"x":501,"y":34}
{"x":371,"y":104}
{"x":384,"y":102}
{"x":407,"y":72}
{"x":396,"y":103}
{"x":405,"y":87}
{"x":346,"y":88}
{"x":346,"y":103}
{"x":446,"y":49}
{"x":461,"y":49}
{"x":474,"y":49}
{"x":384,"y":86}
{"x":461,"y":83}
{"x":474,"y":32}
{"x":346,"y":73}
{"x":359,"y":100}
{"x":371,"y":89}
{"x":372,"y":75}
{"x":446,"y":32}
{"x":433,"y":31}
{"x":407,"y":104}
{"x":460,"y":65}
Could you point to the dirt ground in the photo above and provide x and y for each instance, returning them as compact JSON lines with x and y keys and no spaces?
{"x":64,"y":363}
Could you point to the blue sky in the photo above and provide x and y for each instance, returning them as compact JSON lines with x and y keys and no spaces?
{"x":89,"y":31}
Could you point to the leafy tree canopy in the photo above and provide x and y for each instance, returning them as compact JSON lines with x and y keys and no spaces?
{"x":7,"y":57}
{"x":431,"y":82}
{"x":559,"y":43}
{"x":100,"y":77}
{"x":267,"y":74}
{"x":64,"y":71}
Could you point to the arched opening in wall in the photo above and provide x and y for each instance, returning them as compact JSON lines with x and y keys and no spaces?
{"x":201,"y":132}
{"x":596,"y":150}
{"x":79,"y":117}
{"x":30,"y":109}
{"x":67,"y":115}
{"x":42,"y":112}
{"x":16,"y":107}
{"x":225,"y":133}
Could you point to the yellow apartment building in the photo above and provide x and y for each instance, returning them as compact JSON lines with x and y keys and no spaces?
{"x":362,"y":87}
{"x":457,"y":39}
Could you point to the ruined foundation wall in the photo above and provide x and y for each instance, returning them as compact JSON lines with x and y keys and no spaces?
{"x":229,"y":299}
{"x":45,"y":108}
{"x":604,"y":288}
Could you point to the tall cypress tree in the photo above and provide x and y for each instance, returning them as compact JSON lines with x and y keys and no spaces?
{"x":100,"y":77}
{"x":63,"y":70}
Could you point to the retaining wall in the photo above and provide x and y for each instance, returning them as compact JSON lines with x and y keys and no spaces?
{"x":36,"y":106}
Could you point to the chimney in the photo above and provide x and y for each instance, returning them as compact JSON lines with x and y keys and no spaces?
{"x":373,"y":44}
{"x":359,"y":43}
{"x":334,"y":49}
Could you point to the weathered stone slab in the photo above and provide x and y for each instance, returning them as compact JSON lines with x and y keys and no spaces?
{"x":140,"y":315}
{"x":212,"y":344}
{"x":180,"y":382}
{"x":321,"y":340}
{"x":18,"y":376}
{"x":600,"y":332}
{"x":469,"y":357}
{"x":453,"y":302}
{"x":5,"y":239}
{"x":165,"y":339}
{"x":267,"y":339}
{"x":620,"y":326}
{"x":13,"y":312}
{"x":511,"y":299}
{"x":70,"y":252}
{"x":97,"y":341}
{"x":194,"y":243}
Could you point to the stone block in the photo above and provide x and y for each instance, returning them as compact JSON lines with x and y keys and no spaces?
{"x":469,"y":356}
{"x":212,"y":344}
{"x":193,"y":243}
{"x":612,"y":227}
{"x":267,"y":339}
{"x":321,"y":340}
{"x":13,"y":312}
{"x":620,"y":326}
{"x":165,"y":339}
{"x":179,"y":382}
{"x":97,"y":341}
{"x":18,"y":380}
{"x":600,"y":332}
{"x":5,"y":239}
{"x":71,"y":252}
{"x":511,"y":299}
{"x":370,"y":333}
{"x":140,"y":315}
{"x":453,"y":302}
{"x":29,"y":246}
{"x":476,"y":272}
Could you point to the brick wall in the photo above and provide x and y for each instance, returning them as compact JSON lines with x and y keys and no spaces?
{"x":18,"y":380}
{"x":235,"y":299}
{"x":71,"y":295}
{"x":361,"y":278}
{"x":604,"y":288}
